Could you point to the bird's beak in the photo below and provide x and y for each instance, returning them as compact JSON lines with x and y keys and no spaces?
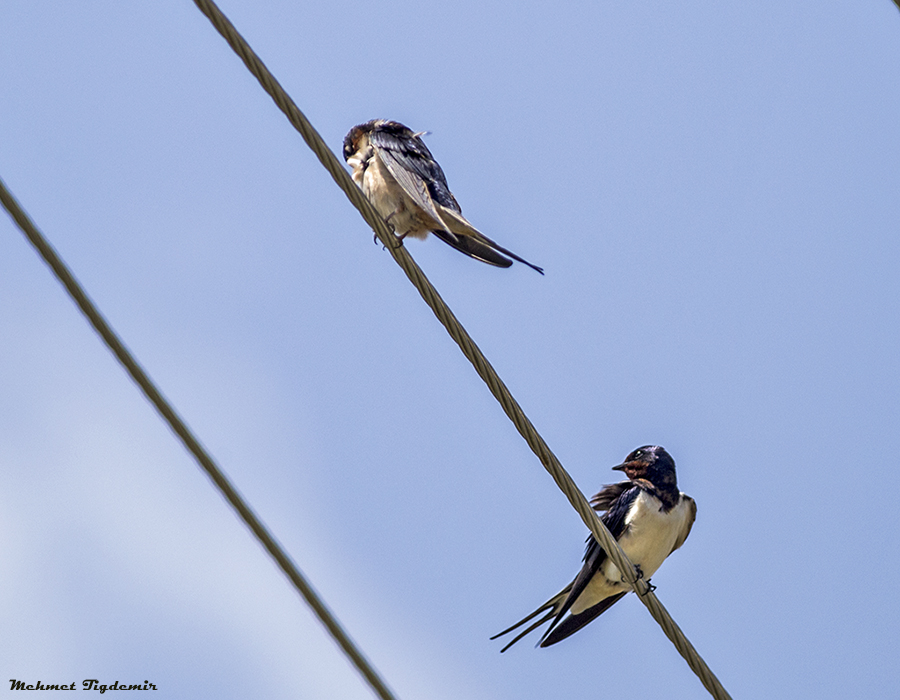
{"x":620,"y":467}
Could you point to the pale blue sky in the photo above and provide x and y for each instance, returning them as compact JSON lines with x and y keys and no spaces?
{"x":713,"y":191}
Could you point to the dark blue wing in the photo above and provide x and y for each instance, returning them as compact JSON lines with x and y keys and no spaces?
{"x":604,"y":499}
{"x":473,"y":248}
{"x":412,"y":165}
{"x":594,"y":556}
{"x":573,"y":623}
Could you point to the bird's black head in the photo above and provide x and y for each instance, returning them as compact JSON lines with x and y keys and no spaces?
{"x":386,"y":127}
{"x":650,"y":462}
{"x":351,"y":140}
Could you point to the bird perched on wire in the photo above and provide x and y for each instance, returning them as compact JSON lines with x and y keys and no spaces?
{"x":405,"y":184}
{"x":649,"y":517}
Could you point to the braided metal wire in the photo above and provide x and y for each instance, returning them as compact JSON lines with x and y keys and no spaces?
{"x":466,"y":344}
{"x":193,"y":445}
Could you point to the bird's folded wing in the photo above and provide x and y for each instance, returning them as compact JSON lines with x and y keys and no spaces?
{"x":573,"y":623}
{"x":473,"y":248}
{"x":692,"y":504}
{"x":594,"y":556}
{"x":457,"y":223}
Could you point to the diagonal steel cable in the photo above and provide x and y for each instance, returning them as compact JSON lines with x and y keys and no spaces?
{"x":180,"y":428}
{"x":466,"y":344}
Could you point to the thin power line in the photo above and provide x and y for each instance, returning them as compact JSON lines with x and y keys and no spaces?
{"x":180,"y":428}
{"x":466,"y":344}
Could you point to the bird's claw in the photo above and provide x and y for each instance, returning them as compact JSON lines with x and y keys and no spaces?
{"x":397,"y":238}
{"x":640,"y":576}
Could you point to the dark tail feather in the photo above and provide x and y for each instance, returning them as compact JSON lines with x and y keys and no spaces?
{"x":557,"y":632}
{"x":521,"y":622}
{"x":511,"y":254}
{"x":473,"y":248}
{"x":486,"y":251}
{"x":528,"y":629}
{"x":550,"y":605}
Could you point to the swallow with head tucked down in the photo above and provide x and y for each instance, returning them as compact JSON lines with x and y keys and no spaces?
{"x":405,"y":184}
{"x":649,"y":517}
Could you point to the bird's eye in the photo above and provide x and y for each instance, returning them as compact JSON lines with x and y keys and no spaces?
{"x":638,"y":453}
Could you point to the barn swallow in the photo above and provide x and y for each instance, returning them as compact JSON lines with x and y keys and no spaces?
{"x":405,"y":184}
{"x":649,"y":517}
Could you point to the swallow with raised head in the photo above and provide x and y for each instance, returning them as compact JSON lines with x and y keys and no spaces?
{"x":649,"y":517}
{"x":405,"y":184}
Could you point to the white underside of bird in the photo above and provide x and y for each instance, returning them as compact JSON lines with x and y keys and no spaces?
{"x":395,"y":206}
{"x":649,"y":537}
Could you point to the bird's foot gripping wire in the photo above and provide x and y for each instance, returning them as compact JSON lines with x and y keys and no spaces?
{"x":397,"y":238}
{"x":640,"y":576}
